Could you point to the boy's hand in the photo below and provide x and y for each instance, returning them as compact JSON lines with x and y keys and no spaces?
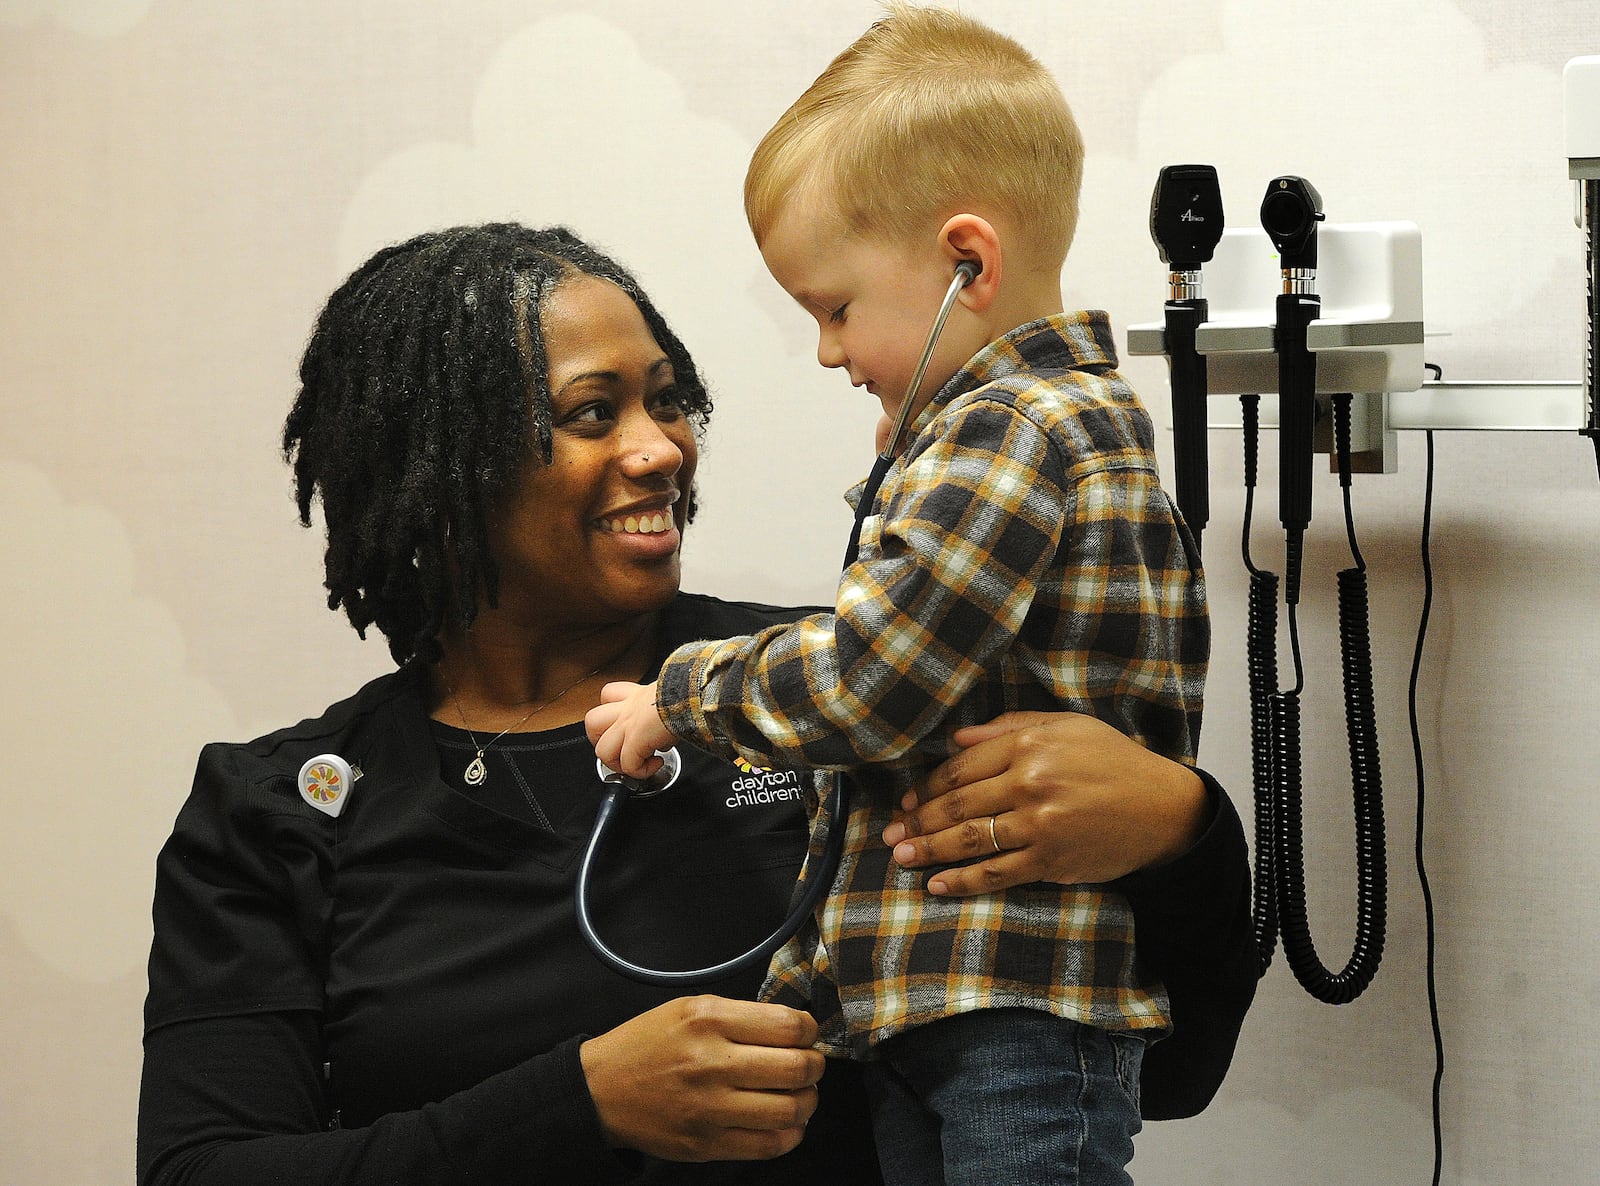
{"x":626,"y":729}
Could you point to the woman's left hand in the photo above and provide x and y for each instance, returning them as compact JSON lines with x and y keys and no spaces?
{"x":1057,"y":797}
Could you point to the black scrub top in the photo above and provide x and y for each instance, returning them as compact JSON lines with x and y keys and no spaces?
{"x":408,"y":978}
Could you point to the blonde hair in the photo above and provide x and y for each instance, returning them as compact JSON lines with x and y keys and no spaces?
{"x":928,"y":113}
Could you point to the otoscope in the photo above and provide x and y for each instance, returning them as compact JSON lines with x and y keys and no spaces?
{"x":815,"y":883}
{"x":1186,"y":224}
{"x":1289,"y":214}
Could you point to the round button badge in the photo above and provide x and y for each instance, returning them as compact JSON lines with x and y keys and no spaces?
{"x":325,"y":783}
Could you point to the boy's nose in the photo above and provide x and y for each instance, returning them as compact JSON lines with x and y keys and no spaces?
{"x":829,"y":352}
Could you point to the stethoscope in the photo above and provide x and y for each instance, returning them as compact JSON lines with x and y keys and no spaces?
{"x":619,"y":788}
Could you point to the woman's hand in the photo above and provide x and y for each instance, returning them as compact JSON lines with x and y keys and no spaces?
{"x":1071,"y":800}
{"x":706,"y":1079}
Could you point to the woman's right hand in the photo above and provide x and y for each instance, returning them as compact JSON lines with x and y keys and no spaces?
{"x":706,"y":1079}
{"x":1073,"y":800}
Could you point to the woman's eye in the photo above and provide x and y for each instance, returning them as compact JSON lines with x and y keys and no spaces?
{"x":838,"y":314}
{"x":591,"y":413}
{"x":670,"y":398}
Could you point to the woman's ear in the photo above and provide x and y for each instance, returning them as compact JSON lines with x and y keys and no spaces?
{"x":971,"y":239}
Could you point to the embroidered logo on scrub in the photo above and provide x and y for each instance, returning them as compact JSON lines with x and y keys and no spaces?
{"x":760,"y":787}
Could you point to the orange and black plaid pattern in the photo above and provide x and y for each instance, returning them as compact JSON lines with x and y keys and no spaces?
{"x":1022,"y":555}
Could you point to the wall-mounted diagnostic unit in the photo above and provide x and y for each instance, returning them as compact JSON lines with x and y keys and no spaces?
{"x":1316,"y":327}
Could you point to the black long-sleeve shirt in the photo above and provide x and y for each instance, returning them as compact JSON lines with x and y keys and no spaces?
{"x":398,"y":995}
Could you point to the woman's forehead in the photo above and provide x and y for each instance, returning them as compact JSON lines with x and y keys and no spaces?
{"x":590,"y":324}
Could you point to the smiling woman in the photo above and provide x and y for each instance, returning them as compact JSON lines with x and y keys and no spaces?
{"x":441,"y":380}
{"x":389,"y":985}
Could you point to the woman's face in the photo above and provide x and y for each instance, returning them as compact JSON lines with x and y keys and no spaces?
{"x":594,"y":537}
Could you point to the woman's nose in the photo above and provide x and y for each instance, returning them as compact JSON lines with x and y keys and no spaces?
{"x":649,"y":449}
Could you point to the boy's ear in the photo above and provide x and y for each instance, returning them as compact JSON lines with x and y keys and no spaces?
{"x":974,"y":238}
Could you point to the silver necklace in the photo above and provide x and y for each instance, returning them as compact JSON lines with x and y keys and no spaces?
{"x":477,"y":773}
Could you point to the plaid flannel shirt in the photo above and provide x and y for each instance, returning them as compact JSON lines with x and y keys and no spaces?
{"x":1021,"y":555}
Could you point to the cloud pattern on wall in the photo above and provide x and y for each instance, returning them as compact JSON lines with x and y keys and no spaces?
{"x":571,"y":124}
{"x":100,"y":738}
{"x":1393,"y":112}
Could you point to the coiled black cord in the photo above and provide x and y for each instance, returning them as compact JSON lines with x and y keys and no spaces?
{"x":1366,"y":782}
{"x":1355,"y":650}
{"x":1279,"y":892}
{"x":1261,"y":652}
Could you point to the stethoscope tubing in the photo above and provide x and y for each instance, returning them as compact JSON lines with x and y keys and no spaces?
{"x":815,"y":885}
{"x":966,"y":273}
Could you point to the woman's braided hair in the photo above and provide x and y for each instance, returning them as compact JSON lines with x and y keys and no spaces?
{"x":424,"y":391}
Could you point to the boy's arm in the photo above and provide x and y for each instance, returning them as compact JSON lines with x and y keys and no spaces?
{"x":968,"y":528}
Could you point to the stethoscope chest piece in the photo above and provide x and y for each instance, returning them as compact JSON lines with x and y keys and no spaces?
{"x":671,"y":767}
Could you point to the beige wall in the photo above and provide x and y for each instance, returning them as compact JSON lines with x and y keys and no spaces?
{"x":184,"y":181}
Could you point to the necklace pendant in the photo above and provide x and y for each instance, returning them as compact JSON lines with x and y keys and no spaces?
{"x":477,"y":773}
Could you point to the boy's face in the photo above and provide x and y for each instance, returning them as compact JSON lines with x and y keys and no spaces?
{"x":873,"y":301}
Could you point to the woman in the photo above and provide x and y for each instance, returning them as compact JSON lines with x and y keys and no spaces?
{"x":502,"y":432}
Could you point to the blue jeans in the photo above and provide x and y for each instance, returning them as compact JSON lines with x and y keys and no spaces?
{"x":1012,"y":1096}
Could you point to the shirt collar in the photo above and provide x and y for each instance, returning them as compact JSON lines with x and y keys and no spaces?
{"x":1075,"y":340}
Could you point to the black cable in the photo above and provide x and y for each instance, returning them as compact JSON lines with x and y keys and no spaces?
{"x":1416,"y":751}
{"x":1355,"y":649}
{"x":1591,"y":363}
{"x":1261,"y":656}
{"x":1341,"y":451}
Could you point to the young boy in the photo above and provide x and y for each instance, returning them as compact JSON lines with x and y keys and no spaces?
{"x":1020,"y":554}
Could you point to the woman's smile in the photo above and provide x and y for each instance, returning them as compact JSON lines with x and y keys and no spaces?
{"x":645,"y":534}
{"x":639,"y":524}
{"x":642,"y":519}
